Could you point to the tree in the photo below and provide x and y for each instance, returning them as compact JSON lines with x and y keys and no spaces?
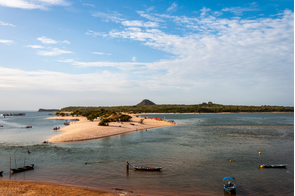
{"x":104,"y":122}
{"x":125,"y":117}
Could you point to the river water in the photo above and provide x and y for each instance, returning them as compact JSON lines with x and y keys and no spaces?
{"x":195,"y":155}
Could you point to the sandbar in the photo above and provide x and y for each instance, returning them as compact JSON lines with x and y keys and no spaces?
{"x":87,"y":130}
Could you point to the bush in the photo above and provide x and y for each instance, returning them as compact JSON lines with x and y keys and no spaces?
{"x":104,"y":122}
{"x":125,"y":118}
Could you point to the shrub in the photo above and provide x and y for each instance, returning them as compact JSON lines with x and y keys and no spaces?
{"x":104,"y":122}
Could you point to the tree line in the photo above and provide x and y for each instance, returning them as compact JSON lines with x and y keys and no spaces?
{"x":197,"y":108}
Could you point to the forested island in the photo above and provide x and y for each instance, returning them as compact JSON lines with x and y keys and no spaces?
{"x":196,"y":108}
{"x":48,"y":110}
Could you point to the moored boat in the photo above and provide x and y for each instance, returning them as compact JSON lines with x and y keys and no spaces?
{"x":25,"y":168}
{"x":29,"y":127}
{"x":147,"y":168}
{"x":229,"y":185}
{"x":273,"y":166}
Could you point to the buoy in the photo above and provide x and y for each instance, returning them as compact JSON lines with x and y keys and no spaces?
{"x":259,"y":153}
{"x":230,"y":161}
{"x":261,"y":166}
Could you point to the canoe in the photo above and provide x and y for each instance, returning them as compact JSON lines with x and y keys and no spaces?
{"x":229,"y":186}
{"x":25,"y":168}
{"x":273,"y":166}
{"x":147,"y":168}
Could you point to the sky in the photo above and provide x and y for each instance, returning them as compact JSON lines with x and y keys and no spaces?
{"x":59,"y":53}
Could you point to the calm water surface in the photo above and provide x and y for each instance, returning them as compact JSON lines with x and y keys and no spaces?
{"x":195,"y":155}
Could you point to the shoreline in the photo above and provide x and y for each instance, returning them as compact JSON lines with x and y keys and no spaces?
{"x":20,"y":187}
{"x":83,"y":129}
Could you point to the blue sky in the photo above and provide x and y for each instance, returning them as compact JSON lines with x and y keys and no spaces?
{"x":58,"y":53}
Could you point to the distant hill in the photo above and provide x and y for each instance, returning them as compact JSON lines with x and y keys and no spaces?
{"x":146,"y":102}
{"x":48,"y":110}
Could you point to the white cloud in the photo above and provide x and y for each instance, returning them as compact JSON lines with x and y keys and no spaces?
{"x":32,"y":4}
{"x":46,"y":40}
{"x":134,"y":58}
{"x":53,"y":52}
{"x":34,"y":46}
{"x":239,"y":10}
{"x":151,"y":17}
{"x":6,"y":24}
{"x":86,"y":4}
{"x":8,"y":42}
{"x":119,"y":65}
{"x":138,"y":23}
{"x":115,"y":17}
{"x":13,"y":79}
{"x":234,"y":55}
{"x":172,"y":7}
{"x":101,"y":53}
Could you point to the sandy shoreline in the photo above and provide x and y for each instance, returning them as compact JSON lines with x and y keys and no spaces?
{"x":85,"y":130}
{"x":8,"y":187}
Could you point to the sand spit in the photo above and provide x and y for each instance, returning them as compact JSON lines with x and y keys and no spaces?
{"x":86,"y":130}
{"x":42,"y":188}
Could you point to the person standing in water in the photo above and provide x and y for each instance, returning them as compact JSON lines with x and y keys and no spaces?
{"x":127,"y":165}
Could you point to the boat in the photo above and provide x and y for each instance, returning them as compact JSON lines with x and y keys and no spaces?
{"x":25,"y":168}
{"x":229,"y":185}
{"x":28,"y":127}
{"x":66,"y":123}
{"x":1,"y":172}
{"x":147,"y":168}
{"x":56,"y":128}
{"x":273,"y":166}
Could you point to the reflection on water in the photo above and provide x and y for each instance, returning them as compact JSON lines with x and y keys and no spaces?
{"x":194,"y":155}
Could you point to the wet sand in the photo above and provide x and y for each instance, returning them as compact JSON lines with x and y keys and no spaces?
{"x":27,"y":188}
{"x":86,"y":130}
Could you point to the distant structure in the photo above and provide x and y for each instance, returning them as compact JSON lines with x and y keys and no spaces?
{"x":146,"y":102}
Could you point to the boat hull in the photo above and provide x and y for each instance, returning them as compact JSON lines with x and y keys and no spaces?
{"x":148,"y":168}
{"x":273,"y":166}
{"x":230,"y":189}
{"x":25,"y":168}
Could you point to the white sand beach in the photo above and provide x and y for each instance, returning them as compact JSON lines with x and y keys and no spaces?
{"x":87,"y":130}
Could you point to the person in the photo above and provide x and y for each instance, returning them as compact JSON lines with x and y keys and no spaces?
{"x":127,"y":165}
{"x":29,"y":152}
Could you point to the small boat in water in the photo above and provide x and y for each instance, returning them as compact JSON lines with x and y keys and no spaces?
{"x":147,"y":168}
{"x":28,"y":127}
{"x":25,"y":168}
{"x":229,"y":185}
{"x":1,"y":172}
{"x":273,"y":166}
{"x":66,"y":123}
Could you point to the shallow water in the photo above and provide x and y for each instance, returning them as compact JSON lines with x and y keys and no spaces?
{"x":194,"y":155}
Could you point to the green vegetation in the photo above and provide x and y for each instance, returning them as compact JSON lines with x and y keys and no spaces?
{"x":104,"y":122}
{"x":48,"y":110}
{"x":198,"y":108}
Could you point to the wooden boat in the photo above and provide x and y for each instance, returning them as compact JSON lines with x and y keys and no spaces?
{"x":273,"y":166}
{"x":229,"y":185}
{"x":25,"y":168}
{"x":147,"y":168}
{"x":28,"y":126}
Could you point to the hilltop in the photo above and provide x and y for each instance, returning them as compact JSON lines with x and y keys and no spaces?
{"x":146,"y":102}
